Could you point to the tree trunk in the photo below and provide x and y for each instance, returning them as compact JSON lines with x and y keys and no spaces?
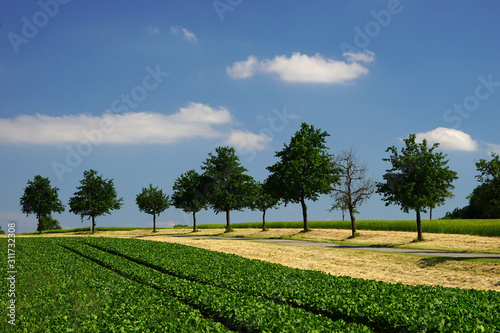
{"x":343,"y":215}
{"x":353,"y":221}
{"x":430,"y":213}
{"x":304,"y":213}
{"x":419,"y":227}
{"x":93,"y":224}
{"x":263,"y":219}
{"x":154,"y":222}
{"x":228,"y":221}
{"x":194,"y":221}
{"x":39,"y":224}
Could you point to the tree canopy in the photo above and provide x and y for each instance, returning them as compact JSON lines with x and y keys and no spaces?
{"x":305,"y":169}
{"x":189,"y":194}
{"x":41,"y":199}
{"x":95,"y":197}
{"x":50,"y":223}
{"x":262,"y":200}
{"x":152,"y":201}
{"x":484,"y":201}
{"x":419,"y":178}
{"x":226,"y":184}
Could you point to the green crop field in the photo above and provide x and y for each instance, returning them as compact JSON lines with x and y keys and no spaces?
{"x":124,"y":285}
{"x":467,"y":227}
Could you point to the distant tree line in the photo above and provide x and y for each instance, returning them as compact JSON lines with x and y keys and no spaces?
{"x":419,"y":179}
{"x":484,"y":201}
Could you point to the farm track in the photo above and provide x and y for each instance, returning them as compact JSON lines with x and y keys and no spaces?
{"x":418,"y":252}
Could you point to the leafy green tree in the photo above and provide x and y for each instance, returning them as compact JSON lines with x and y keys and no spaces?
{"x":419,"y":178}
{"x":152,"y":201}
{"x":188,"y":194}
{"x":486,"y":197}
{"x":484,"y":201}
{"x":41,"y":199}
{"x":95,"y":197}
{"x":50,"y":223}
{"x":305,"y":170}
{"x":355,"y":187}
{"x":227,"y":186}
{"x":262,"y":200}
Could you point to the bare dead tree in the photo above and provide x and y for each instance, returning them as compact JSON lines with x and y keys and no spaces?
{"x":355,"y":187}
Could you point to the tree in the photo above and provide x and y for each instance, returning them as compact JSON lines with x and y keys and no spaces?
{"x":227,"y":186}
{"x":41,"y":199}
{"x":95,"y":197}
{"x":419,"y":178}
{"x":486,"y":197}
{"x":304,"y":170}
{"x":188,"y":194}
{"x":50,"y":223}
{"x":262,"y":200}
{"x":152,"y":201}
{"x":484,"y":201}
{"x":355,"y":188}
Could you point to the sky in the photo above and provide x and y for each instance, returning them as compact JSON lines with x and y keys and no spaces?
{"x":143,"y":91}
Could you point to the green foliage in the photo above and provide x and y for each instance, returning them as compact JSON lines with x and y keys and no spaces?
{"x":304,"y":170}
{"x":61,"y":291}
{"x":50,"y":223}
{"x":263,"y":199}
{"x":254,"y":295}
{"x":95,"y":197}
{"x":227,"y":186}
{"x":419,"y":178}
{"x":189,"y":194}
{"x":484,"y":201}
{"x":486,"y":197}
{"x":41,"y":199}
{"x":238,"y":311}
{"x":152,"y":201}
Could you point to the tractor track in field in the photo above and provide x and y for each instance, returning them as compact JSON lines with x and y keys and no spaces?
{"x":397,"y":250}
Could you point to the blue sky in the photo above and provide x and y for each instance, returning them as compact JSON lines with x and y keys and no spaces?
{"x":143,"y":91}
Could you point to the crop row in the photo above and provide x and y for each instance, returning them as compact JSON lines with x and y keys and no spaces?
{"x":382,"y":306}
{"x":237,"y":310}
{"x":60,"y":291}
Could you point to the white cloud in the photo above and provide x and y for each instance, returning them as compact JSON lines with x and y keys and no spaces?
{"x":243,"y":69}
{"x":248,"y":140}
{"x":301,"y":68}
{"x":366,"y":56}
{"x":493,"y":148}
{"x":196,"y":120}
{"x":449,"y":139}
{"x":186,"y":34}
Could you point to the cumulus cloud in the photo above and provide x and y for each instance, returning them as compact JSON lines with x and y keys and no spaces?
{"x":301,"y":68}
{"x":449,"y":139}
{"x":244,"y":69}
{"x":493,"y":148}
{"x":248,"y":140}
{"x":196,"y":120}
{"x":185,"y":33}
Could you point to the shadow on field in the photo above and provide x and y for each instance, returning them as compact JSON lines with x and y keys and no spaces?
{"x":434,"y":261}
